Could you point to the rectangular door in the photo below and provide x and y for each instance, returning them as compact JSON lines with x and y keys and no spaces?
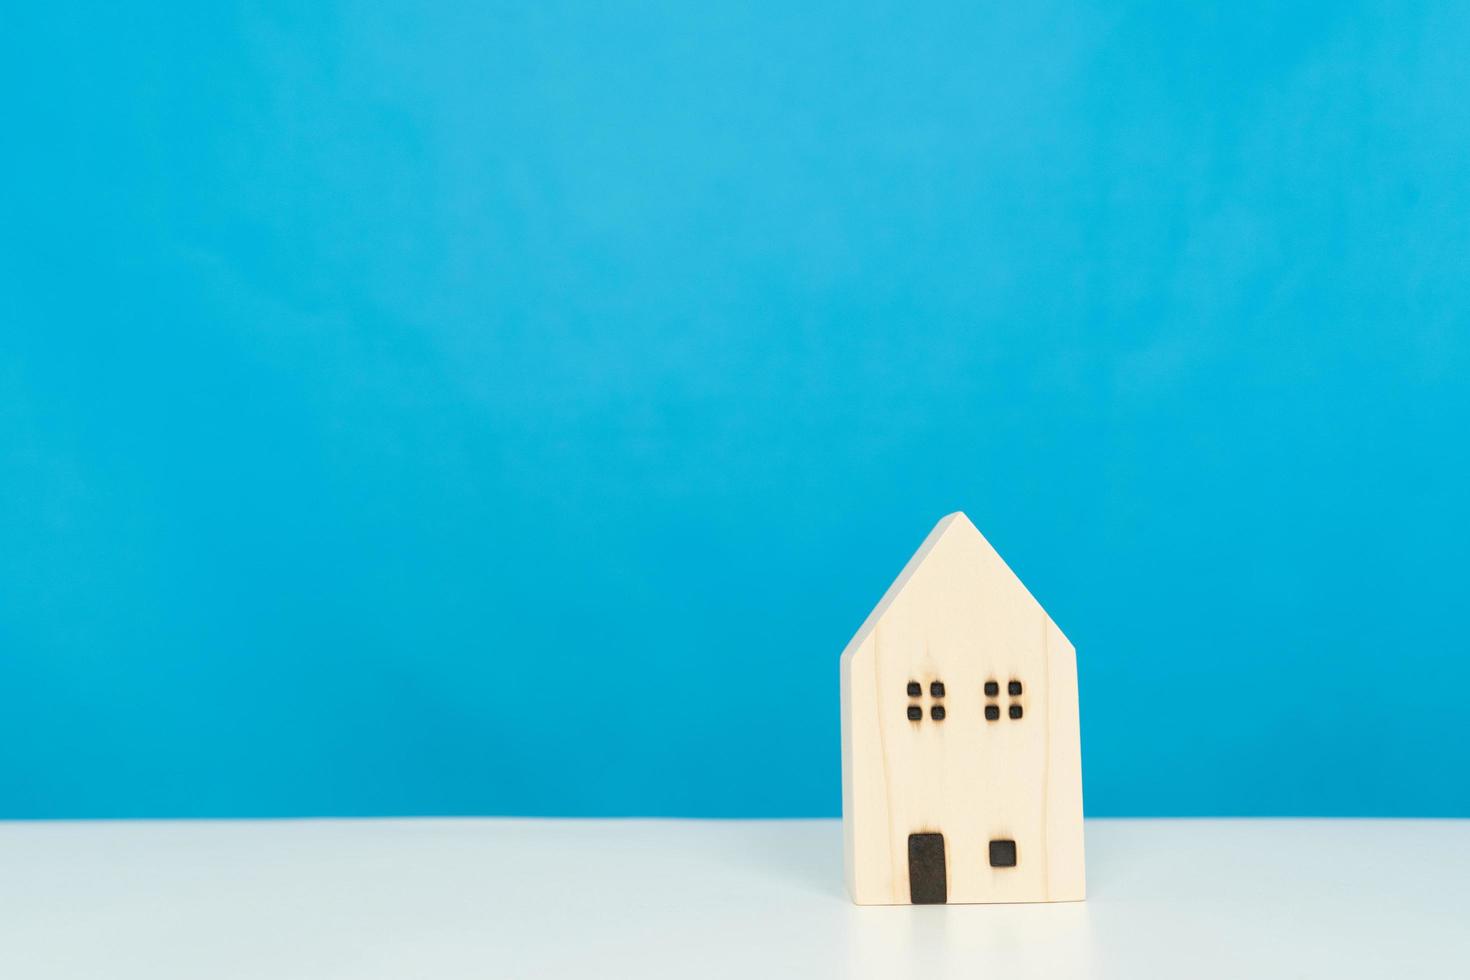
{"x":928,"y":882}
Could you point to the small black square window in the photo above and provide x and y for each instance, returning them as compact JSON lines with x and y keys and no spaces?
{"x":1013,"y":688}
{"x":991,"y":689}
{"x":937,"y":712}
{"x":937,"y":689}
{"x":915,"y":712}
{"x":914,"y":689}
{"x":992,"y":712}
{"x":1015,"y":711}
{"x":1002,"y":854}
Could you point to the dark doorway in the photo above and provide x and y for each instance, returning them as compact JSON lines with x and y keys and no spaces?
{"x":928,"y":884}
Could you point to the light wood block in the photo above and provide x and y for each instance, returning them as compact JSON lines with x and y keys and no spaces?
{"x":999,"y":789}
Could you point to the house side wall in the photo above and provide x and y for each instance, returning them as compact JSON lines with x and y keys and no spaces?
{"x":869,"y":864}
{"x":1066,"y":869}
{"x":849,"y":813}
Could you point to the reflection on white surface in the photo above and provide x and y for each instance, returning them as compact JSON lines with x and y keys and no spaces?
{"x":958,"y":941}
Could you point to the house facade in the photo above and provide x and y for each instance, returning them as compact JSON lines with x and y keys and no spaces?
{"x":961,"y":757}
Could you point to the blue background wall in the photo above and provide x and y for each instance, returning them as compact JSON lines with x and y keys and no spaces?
{"x":515,"y":409}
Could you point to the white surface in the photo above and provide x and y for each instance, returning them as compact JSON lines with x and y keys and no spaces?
{"x":652,"y":899}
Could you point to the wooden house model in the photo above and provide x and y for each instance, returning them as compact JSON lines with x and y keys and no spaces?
{"x":961,"y":756}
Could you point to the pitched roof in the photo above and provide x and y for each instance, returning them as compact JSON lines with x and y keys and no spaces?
{"x":954,"y":546}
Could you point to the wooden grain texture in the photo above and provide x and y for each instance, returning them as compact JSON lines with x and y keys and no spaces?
{"x":957,"y":615}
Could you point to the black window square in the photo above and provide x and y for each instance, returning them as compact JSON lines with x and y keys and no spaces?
{"x":991,"y":689}
{"x":1002,"y":854}
{"x":937,"y":689}
{"x":914,"y":689}
{"x":1013,"y":688}
{"x":1015,"y":711}
{"x":992,"y":712}
{"x":915,"y":712}
{"x":937,"y":712}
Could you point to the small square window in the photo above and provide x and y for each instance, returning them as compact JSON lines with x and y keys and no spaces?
{"x":915,"y":712}
{"x":1013,"y":688}
{"x":992,"y":712}
{"x":937,"y":712}
{"x":991,"y":689}
{"x":914,"y":689}
{"x":1002,"y":854}
{"x":1015,"y":711}
{"x":937,"y":689}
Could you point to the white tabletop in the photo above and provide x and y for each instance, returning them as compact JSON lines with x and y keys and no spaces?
{"x":695,"y":899}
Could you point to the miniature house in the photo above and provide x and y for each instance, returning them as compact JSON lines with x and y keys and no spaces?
{"x":961,"y":757}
